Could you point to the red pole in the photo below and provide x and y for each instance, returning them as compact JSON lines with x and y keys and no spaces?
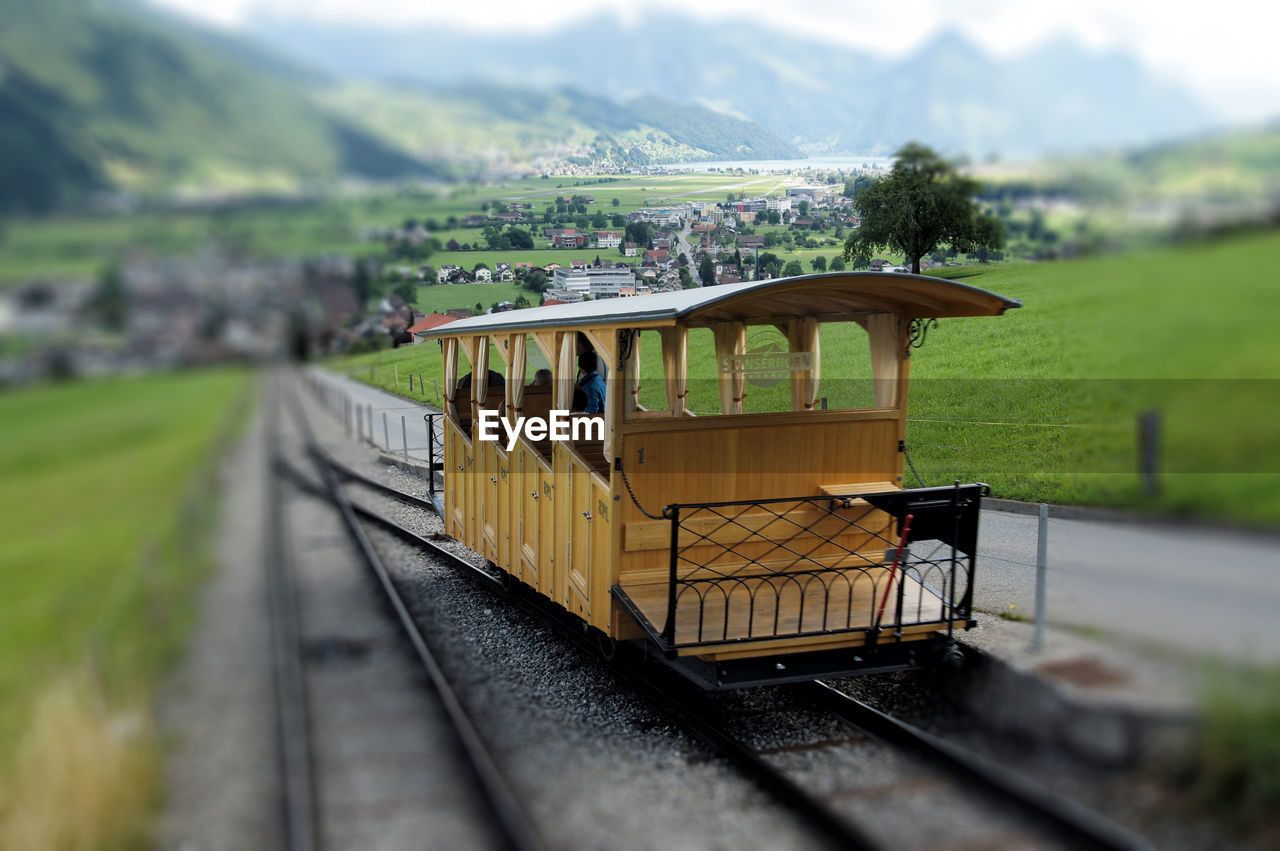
{"x":897,"y":556}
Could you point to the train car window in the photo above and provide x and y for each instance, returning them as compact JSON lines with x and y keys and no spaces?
{"x":462,"y":389}
{"x":848,"y":344}
{"x":651,"y":396}
{"x":703,"y":390}
{"x":535,"y":361}
{"x":766,"y":379}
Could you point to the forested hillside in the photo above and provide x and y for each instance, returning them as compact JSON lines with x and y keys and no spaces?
{"x":92,"y":94}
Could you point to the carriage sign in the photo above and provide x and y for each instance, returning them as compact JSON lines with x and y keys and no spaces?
{"x":766,"y":368}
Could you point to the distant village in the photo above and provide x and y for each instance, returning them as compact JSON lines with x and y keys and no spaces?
{"x":682,"y":237}
{"x":146,"y":313}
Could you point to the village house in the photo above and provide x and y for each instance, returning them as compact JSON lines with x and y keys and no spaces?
{"x":503,"y":272}
{"x":426,"y":323}
{"x":629,"y":249}
{"x":608,"y":239}
{"x":657,"y":258}
{"x":482,"y":275}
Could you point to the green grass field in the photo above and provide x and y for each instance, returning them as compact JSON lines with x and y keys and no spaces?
{"x":1042,"y":403}
{"x":107,"y":507}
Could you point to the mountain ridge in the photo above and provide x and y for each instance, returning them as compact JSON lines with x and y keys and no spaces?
{"x":1052,"y":97}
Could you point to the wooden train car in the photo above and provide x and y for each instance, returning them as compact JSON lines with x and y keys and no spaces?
{"x":730,"y":516}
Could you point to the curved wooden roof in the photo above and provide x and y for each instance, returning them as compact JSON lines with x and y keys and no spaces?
{"x":832,"y":296}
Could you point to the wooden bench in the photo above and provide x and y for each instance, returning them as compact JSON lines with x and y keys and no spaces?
{"x":847,"y":490}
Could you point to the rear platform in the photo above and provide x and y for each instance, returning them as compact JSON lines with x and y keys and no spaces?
{"x":774,"y":590}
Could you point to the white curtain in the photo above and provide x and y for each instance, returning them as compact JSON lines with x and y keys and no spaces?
{"x":885,"y":333}
{"x":631,"y":369}
{"x":675,"y":366}
{"x":567,"y":370}
{"x":804,"y":335}
{"x":450,"y":352}
{"x":479,"y":376}
{"x":731,"y":339}
{"x":515,"y":376}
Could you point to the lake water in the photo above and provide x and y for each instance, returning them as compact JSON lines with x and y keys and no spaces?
{"x":845,"y":163}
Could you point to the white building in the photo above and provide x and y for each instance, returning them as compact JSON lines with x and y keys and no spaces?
{"x":596,"y":281}
{"x":778,"y":205}
{"x":608,"y":239}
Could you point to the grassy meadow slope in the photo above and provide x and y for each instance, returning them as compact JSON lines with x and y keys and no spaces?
{"x":107,"y":511}
{"x":1042,"y":403}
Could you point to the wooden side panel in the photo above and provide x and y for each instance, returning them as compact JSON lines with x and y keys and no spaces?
{"x":602,"y":548}
{"x":526,"y":500}
{"x":710,"y":462}
{"x":489,"y":514}
{"x":579,"y":546}
{"x":457,"y":481}
{"x":547,"y":529}
{"x":562,"y":552}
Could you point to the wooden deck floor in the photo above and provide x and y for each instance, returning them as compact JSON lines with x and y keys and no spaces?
{"x":781,"y":606}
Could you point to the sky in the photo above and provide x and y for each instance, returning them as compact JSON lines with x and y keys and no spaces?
{"x":1222,"y":51}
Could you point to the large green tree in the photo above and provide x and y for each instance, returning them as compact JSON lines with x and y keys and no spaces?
{"x":923,"y":203}
{"x":707,"y":271}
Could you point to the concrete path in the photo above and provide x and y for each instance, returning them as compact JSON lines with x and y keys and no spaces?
{"x":1191,"y":590}
{"x":398,"y":424}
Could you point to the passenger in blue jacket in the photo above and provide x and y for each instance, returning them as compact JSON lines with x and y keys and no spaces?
{"x":588,"y":398}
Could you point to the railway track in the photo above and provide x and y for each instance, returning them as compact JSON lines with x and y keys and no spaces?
{"x":1002,"y":808}
{"x":292,"y":717}
{"x":317,"y":619}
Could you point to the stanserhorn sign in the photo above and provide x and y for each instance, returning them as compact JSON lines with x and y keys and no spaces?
{"x":766,"y":365}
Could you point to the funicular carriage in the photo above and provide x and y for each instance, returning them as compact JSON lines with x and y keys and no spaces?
{"x":740,"y":546}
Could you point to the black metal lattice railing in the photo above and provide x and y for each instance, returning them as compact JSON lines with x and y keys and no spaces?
{"x":778,"y":568}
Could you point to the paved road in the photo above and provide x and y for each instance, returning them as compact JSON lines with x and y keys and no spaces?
{"x":1192,"y":589}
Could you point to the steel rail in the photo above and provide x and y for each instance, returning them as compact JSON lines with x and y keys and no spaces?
{"x":292,"y":718}
{"x":515,"y":828}
{"x":659,"y":690}
{"x":360,"y":478}
{"x":1079,"y":826}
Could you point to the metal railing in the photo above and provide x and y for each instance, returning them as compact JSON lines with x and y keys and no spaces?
{"x":755,"y":570}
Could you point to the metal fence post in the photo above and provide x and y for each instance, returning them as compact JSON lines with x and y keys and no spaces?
{"x":386,"y":432}
{"x":669,"y":628}
{"x":431,"y":455}
{"x":1149,"y":452}
{"x":404,"y":438}
{"x":1042,"y":567}
{"x":370,"y":410}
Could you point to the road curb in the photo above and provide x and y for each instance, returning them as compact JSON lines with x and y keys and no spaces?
{"x":1129,"y":518}
{"x":1114,"y":732}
